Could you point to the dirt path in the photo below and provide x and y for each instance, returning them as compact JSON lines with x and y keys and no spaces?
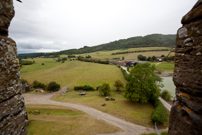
{"x":167,"y":106}
{"x":128,"y":127}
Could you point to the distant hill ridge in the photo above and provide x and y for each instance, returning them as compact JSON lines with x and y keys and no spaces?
{"x":153,"y":40}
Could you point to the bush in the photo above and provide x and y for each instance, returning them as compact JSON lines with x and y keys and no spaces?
{"x":164,"y":133}
{"x":26,"y":62}
{"x":118,"y":84}
{"x":125,"y":74}
{"x":53,"y":86}
{"x":150,"y":134}
{"x":78,"y":87}
{"x":141,"y":57}
{"x":37,"y":84}
{"x":105,"y":89}
{"x":85,"y":87}
{"x":159,"y":114}
{"x":23,"y":81}
{"x":166,"y":95}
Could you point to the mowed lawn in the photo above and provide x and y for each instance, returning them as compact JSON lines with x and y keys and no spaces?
{"x":57,"y":120}
{"x":71,"y":73}
{"x":122,"y":108}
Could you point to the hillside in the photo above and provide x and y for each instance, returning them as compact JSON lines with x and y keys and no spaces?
{"x":154,"y":40}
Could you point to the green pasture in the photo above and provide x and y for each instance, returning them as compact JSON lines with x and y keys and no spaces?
{"x":107,"y":54}
{"x":166,"y":66}
{"x":57,"y":120}
{"x":71,"y":73}
{"x":122,"y":108}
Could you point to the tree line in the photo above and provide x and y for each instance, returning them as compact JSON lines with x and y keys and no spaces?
{"x":139,"y":51}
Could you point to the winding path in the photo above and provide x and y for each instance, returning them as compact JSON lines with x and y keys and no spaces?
{"x":128,"y":127}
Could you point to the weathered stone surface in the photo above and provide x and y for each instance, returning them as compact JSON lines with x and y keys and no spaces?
{"x":186,"y":114}
{"x":6,"y":14}
{"x":13,"y":116}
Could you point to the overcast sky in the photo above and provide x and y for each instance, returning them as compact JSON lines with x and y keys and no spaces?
{"x":54,"y":25}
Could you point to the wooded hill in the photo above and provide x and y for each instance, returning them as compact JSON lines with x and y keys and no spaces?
{"x":153,"y":40}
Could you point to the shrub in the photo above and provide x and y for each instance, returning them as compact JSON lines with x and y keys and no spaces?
{"x":37,"y":84}
{"x":141,"y":57}
{"x":105,"y":89}
{"x":78,"y":87}
{"x":42,"y":64}
{"x":26,"y":62}
{"x":53,"y":86}
{"x":85,"y":87}
{"x":118,"y":84}
{"x":166,"y":95}
{"x":164,"y":133}
{"x":23,"y":81}
{"x":159,"y":114}
{"x":125,"y":74}
{"x":128,"y":69}
{"x":150,"y":134}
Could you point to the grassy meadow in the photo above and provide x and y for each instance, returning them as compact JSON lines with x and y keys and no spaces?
{"x":57,"y":120}
{"x":71,"y":73}
{"x":166,"y":66}
{"x":122,"y":108}
{"x":107,"y":54}
{"x":76,"y":73}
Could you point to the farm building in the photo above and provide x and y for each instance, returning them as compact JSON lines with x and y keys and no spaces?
{"x":132,"y":63}
{"x":159,"y":58}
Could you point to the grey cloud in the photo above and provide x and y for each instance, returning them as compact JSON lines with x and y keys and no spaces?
{"x":49,"y":25}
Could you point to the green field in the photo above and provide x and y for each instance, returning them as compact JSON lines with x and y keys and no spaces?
{"x":71,"y":73}
{"x":122,"y":108}
{"x":166,"y":66}
{"x":75,"y":73}
{"x":107,"y":54}
{"x":56,"y":120}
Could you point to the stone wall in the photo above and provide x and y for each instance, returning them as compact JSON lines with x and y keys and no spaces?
{"x":186,"y":114}
{"x":13,"y":116}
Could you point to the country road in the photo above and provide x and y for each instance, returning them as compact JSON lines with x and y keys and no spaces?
{"x":128,"y":127}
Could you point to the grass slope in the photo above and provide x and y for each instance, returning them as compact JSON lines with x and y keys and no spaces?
{"x":71,"y":73}
{"x":56,"y":120}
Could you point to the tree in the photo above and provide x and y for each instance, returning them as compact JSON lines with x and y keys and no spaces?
{"x":128,"y":68}
{"x":123,"y":58}
{"x":162,"y":55}
{"x":37,"y":84}
{"x":149,"y":59}
{"x":144,"y":84}
{"x":141,"y":57}
{"x":118,"y":84}
{"x":166,"y":95}
{"x":53,"y":86}
{"x":105,"y":89}
{"x":153,"y":58}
